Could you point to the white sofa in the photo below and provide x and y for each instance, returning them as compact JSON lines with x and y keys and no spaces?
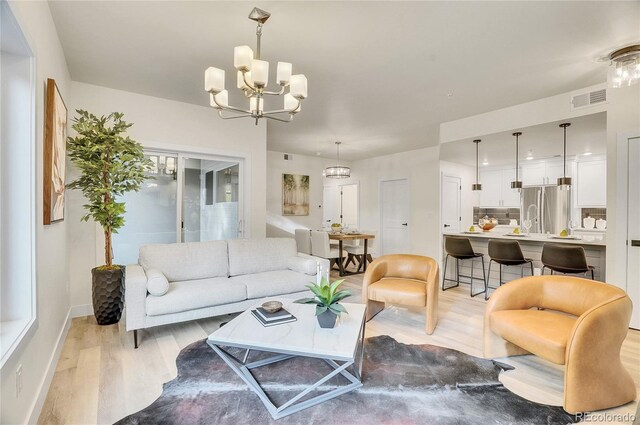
{"x":214,"y":278}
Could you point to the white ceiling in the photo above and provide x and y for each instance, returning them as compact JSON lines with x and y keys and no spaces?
{"x":379,"y":72}
{"x":586,"y":134}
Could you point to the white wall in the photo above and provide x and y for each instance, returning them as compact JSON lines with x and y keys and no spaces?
{"x":279,"y":225}
{"x":161,"y":123}
{"x":38,"y":348}
{"x":422,"y":168}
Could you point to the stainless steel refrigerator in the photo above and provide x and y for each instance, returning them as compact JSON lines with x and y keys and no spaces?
{"x":548,"y":208}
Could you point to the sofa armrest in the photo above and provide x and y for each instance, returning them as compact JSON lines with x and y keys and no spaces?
{"x":323,"y":262}
{"x":135,"y":296}
{"x":375,"y":271}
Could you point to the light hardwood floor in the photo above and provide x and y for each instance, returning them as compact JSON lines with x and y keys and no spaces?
{"x":100,"y":378}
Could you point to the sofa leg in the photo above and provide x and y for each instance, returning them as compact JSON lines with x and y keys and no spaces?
{"x":135,"y":338}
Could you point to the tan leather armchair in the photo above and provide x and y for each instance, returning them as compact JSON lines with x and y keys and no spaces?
{"x":402,"y":279}
{"x":570,"y":321}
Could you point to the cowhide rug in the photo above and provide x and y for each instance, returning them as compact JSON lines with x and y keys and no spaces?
{"x":403,"y":384}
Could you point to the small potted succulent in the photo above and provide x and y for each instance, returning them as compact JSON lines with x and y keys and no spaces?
{"x":327,"y":297}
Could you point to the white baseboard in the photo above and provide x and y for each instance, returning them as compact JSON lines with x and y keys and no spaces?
{"x":81,"y":310}
{"x":36,"y":408}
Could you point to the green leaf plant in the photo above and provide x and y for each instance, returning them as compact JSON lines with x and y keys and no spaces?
{"x":110,"y":164}
{"x":327,"y":297}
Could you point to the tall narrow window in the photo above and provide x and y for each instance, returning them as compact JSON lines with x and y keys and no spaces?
{"x":17,"y":185}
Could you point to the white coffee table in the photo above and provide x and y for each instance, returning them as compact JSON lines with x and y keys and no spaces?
{"x":340,"y":347}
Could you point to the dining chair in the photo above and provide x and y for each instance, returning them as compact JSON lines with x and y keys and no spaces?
{"x":355,"y":250}
{"x":303,"y":240}
{"x":320,"y":247}
{"x":566,"y":259}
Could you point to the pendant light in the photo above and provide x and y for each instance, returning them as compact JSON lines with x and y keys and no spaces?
{"x":477,"y":185}
{"x":564,"y":181}
{"x":517,"y":184}
{"x":338,"y":171}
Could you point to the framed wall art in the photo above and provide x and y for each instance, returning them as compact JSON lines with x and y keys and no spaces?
{"x":55,"y":154}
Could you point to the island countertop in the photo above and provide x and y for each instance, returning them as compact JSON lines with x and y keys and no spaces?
{"x":532,"y":237}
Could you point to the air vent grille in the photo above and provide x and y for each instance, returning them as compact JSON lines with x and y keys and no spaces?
{"x":584,"y":100}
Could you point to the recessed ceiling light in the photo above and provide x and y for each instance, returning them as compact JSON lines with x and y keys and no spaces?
{"x":529,"y":155}
{"x":586,"y":153}
{"x":485,"y":163}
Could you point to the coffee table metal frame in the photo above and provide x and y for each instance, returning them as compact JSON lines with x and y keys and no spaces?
{"x":242,"y":367}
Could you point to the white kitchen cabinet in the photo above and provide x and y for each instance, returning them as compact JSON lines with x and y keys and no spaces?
{"x":533,"y":174}
{"x":544,"y":172}
{"x":496,"y":188}
{"x":591,"y":182}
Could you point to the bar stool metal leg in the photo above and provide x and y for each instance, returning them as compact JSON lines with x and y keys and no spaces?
{"x":444,"y":275}
{"x":484,"y":278}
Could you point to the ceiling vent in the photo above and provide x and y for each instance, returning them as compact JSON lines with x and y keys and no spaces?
{"x":584,"y":100}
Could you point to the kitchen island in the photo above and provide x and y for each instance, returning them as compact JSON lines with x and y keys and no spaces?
{"x":531,"y":245}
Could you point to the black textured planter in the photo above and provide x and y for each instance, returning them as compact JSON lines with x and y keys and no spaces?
{"x":108,"y":295}
{"x":327,"y":319}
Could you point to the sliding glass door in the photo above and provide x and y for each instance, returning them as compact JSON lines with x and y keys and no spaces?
{"x":188,"y":198}
{"x":211,"y":199}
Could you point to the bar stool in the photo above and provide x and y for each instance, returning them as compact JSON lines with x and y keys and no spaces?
{"x":506,"y":253}
{"x":460,"y":249}
{"x":567,"y":259}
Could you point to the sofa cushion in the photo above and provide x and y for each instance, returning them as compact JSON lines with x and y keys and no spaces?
{"x":194,"y":294}
{"x":157,"y":283}
{"x":271,"y":283}
{"x":303,"y":265}
{"x":399,"y":291}
{"x":187,"y":261}
{"x":541,"y":332}
{"x":259,"y":255}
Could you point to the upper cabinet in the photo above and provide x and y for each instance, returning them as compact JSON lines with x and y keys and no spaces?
{"x":496,"y":188}
{"x":591,"y":184}
{"x":547,"y":172}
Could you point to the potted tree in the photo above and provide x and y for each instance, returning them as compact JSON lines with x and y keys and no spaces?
{"x":327,"y":299}
{"x":110,"y":165}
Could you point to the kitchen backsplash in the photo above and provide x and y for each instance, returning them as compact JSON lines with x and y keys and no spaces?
{"x":502,"y":214}
{"x":596,"y":213}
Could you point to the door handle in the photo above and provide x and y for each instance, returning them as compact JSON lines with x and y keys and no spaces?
{"x":635,"y":242}
{"x":404,"y":224}
{"x":446,"y":225}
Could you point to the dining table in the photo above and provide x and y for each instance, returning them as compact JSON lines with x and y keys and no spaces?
{"x":341,"y":237}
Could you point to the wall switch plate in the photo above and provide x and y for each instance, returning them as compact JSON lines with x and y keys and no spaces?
{"x":18,"y":380}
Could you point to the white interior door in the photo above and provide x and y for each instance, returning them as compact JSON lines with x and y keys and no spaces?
{"x":394,"y":216}
{"x":633,"y":230}
{"x":451,"y":190}
{"x":349,"y":201}
{"x":330,"y":205}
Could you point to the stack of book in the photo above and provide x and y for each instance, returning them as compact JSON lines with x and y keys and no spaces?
{"x":271,"y":319}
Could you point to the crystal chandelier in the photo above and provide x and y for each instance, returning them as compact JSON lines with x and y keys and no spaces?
{"x":252,"y":77}
{"x":338,"y":171}
{"x":625,"y":66}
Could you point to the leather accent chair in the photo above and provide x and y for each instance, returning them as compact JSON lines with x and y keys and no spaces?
{"x":570,"y":321}
{"x":403,"y":279}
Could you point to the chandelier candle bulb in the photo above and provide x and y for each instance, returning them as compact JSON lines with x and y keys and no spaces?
{"x":284,"y":73}
{"x":242,"y":57}
{"x":214,"y":80}
{"x":292,"y":104}
{"x":298,"y":87}
{"x":260,"y":72}
{"x":222,"y":98}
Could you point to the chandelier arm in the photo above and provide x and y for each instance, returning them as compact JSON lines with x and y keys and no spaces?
{"x":275,"y":93}
{"x":234,"y":117}
{"x":230,"y":108}
{"x":244,"y":78}
{"x":278,"y":119}
{"x":279,"y":111}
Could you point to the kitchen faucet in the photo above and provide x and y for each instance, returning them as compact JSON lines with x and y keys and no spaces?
{"x":529,"y":212}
